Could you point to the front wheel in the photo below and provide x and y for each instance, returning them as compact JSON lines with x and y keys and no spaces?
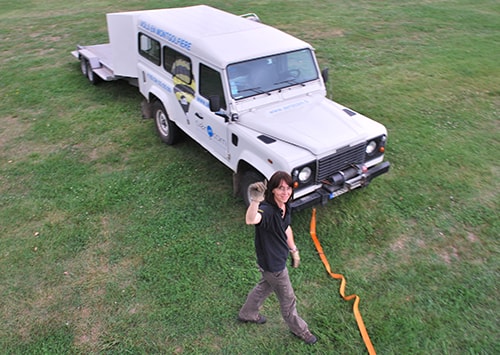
{"x":248,"y":179}
{"x":167,"y":130}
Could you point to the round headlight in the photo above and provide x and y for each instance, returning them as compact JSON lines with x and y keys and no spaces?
{"x":304,"y":174}
{"x":370,"y":148}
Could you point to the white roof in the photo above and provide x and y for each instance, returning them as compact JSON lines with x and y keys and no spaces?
{"x":216,"y":36}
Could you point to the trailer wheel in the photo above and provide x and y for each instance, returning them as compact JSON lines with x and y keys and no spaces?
{"x":93,"y":78}
{"x":167,"y":130}
{"x":83,"y":66}
{"x":249,"y":177}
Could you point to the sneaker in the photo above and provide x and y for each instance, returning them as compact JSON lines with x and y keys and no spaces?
{"x":308,"y":337}
{"x":260,"y":320}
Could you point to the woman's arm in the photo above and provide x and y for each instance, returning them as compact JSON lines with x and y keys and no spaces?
{"x":293,"y":248}
{"x":289,"y":239}
{"x":253,"y":216}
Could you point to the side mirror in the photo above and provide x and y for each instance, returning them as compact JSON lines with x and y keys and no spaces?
{"x":214,"y":102}
{"x":215,"y":107}
{"x":324,"y":74}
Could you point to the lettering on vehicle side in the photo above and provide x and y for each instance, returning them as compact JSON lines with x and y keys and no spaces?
{"x":288,"y":107}
{"x":202,"y":101}
{"x":214,"y":136}
{"x":154,"y":79}
{"x":170,"y":37}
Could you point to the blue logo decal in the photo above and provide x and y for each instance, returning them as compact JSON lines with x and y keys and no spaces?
{"x":210,"y":131}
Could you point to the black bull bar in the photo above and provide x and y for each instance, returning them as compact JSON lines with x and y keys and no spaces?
{"x":328,"y":191}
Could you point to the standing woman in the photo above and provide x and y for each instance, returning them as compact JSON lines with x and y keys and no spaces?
{"x":270,"y":212}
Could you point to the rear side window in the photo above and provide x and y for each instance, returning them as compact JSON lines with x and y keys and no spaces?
{"x":149,"y":48}
{"x":177,"y":64}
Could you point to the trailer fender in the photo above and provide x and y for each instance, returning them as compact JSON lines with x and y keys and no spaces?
{"x":92,"y":59}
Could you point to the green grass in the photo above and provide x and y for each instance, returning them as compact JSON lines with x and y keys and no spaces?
{"x":114,"y":243}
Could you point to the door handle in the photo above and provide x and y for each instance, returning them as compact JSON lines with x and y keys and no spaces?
{"x":198,"y":115}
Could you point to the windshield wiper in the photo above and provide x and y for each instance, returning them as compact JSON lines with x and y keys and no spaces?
{"x":290,"y":81}
{"x":256,"y":89}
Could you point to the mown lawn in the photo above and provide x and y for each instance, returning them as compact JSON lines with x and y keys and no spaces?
{"x":111,"y":242}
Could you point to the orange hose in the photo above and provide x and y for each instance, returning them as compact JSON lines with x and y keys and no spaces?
{"x":357,"y":315}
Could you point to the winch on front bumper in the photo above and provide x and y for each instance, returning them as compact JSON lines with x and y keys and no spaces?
{"x":340,"y":183}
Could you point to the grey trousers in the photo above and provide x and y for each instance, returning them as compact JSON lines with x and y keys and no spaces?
{"x":279,"y":283}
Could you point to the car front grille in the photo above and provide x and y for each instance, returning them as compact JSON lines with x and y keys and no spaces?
{"x":342,"y":159}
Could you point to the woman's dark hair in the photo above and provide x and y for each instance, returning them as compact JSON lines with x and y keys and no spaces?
{"x":275,"y":182}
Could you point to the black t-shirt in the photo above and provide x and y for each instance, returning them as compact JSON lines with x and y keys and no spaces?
{"x":270,"y":238}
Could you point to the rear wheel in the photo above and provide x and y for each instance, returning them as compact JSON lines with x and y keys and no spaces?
{"x":83,"y":66}
{"x":167,"y":130}
{"x":247,"y":179}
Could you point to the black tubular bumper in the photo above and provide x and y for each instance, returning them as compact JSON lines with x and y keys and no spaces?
{"x":328,"y":192}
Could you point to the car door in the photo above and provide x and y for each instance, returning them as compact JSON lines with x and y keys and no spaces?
{"x":211,"y":126}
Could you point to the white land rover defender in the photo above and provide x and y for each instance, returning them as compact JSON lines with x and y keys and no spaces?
{"x":250,"y":94}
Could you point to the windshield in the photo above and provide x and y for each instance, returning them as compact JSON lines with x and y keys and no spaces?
{"x":275,"y":72}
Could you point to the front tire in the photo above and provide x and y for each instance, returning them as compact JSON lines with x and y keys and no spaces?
{"x":247,"y":179}
{"x":167,"y":130}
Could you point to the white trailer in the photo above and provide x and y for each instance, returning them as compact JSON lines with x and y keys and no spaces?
{"x":250,"y":94}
